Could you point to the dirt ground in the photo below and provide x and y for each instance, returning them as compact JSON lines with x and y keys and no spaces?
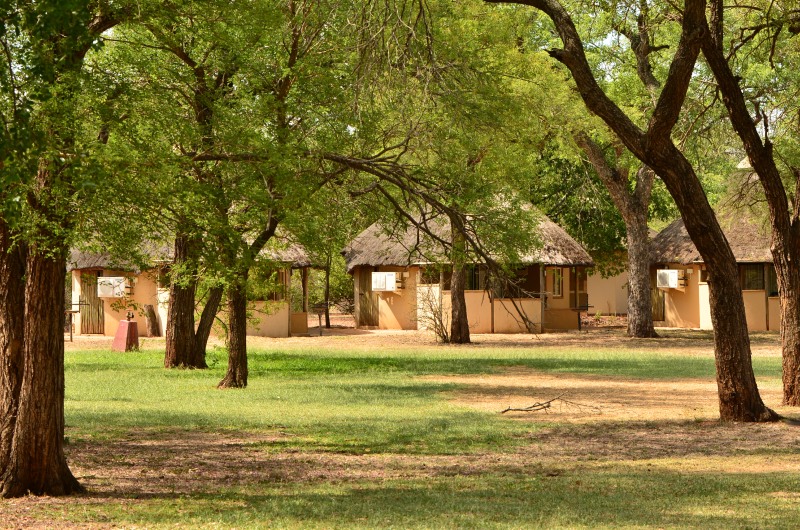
{"x":597,"y":420}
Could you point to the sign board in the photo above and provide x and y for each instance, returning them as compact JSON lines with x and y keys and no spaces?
{"x":384,"y":281}
{"x":110,"y":287}
{"x":667,"y":278}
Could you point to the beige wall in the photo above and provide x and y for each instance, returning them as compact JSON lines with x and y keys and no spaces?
{"x":755,"y":309}
{"x":409,"y":308}
{"x":479,"y":312}
{"x":145,"y":291}
{"x":608,"y":296}
{"x":268,"y":319}
{"x":690,"y":308}
{"x":682,"y":305}
{"x":398,"y":309}
{"x":705,"y":306}
{"x":774,"y":313}
{"x":507,"y":319}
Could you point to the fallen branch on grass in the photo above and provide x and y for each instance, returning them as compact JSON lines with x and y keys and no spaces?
{"x":544,"y":405}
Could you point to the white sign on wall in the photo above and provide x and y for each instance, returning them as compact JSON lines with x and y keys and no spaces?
{"x":667,"y":279}
{"x":110,"y":287}
{"x":384,"y":281}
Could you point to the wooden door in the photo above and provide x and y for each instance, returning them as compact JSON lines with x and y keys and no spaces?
{"x":367,"y":300}
{"x":657,"y":297}
{"x":91,"y":307}
{"x":578,"y":297}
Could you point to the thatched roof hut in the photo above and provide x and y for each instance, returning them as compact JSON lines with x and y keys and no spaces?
{"x":378,"y":246}
{"x":82,"y":259}
{"x":748,"y":237}
{"x":292,"y":254}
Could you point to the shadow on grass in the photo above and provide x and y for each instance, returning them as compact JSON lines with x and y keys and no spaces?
{"x":623,"y":497}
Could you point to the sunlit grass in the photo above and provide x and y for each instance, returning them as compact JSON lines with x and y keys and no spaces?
{"x":356,"y":402}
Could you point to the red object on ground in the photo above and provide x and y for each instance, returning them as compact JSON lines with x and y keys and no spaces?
{"x":127,"y":337}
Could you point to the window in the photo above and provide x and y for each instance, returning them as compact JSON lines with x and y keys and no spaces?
{"x":523,"y":283}
{"x":476,"y":278}
{"x":772,"y":281}
{"x":558,"y":283}
{"x":267,"y":284}
{"x":429,"y":275}
{"x":703,"y":276}
{"x":751,"y":276}
{"x":281,"y":286}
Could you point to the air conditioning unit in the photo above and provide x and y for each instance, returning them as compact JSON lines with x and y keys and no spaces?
{"x":111,"y":287}
{"x":667,"y":279}
{"x":384,"y":281}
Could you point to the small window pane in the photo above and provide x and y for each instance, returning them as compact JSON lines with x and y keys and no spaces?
{"x":772,"y":282}
{"x":751,"y":277}
{"x":558,"y":283}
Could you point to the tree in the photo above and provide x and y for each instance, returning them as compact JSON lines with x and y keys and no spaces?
{"x":766,"y":31}
{"x":739,"y":398}
{"x":45,"y":44}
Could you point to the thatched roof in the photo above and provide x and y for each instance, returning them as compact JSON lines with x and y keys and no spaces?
{"x":292,"y":254}
{"x":748,"y":237}
{"x":377,"y":246}
{"x":80,"y":259}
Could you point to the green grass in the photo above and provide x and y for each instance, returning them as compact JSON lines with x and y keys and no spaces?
{"x":619,"y":497}
{"x":343,"y":402}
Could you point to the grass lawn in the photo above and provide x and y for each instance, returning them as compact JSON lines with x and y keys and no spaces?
{"x":374,"y":432}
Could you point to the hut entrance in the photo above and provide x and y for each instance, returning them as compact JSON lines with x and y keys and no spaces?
{"x":578,"y":296}
{"x":91,"y":306}
{"x":658,"y":304}
{"x":367,"y":301}
{"x":657,"y":299}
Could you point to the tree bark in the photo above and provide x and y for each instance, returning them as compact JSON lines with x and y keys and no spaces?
{"x":328,"y":293}
{"x":236,"y":376}
{"x":640,"y":303}
{"x":180,"y":347}
{"x":36,"y":462}
{"x":12,"y":329}
{"x":633,"y":208}
{"x":204,"y":327}
{"x":784,"y":222}
{"x":151,"y":321}
{"x":459,"y":323}
{"x":739,"y":399}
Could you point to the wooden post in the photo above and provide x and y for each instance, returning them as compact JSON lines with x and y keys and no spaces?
{"x":304,"y":277}
{"x":542,"y":295}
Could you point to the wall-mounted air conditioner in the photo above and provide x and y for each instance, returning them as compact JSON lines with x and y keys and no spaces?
{"x":667,"y":279}
{"x":110,"y":287}
{"x":384,"y":281}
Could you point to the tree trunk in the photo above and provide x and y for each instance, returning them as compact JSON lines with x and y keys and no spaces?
{"x":236,"y":377}
{"x":151,"y":321}
{"x":784,"y":221}
{"x":459,"y":323}
{"x":640,"y":303}
{"x":633,"y":208}
{"x":12,"y":329}
{"x":328,"y":293}
{"x":739,"y":399}
{"x":180,"y":352}
{"x":36,"y":463}
{"x":204,"y":327}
